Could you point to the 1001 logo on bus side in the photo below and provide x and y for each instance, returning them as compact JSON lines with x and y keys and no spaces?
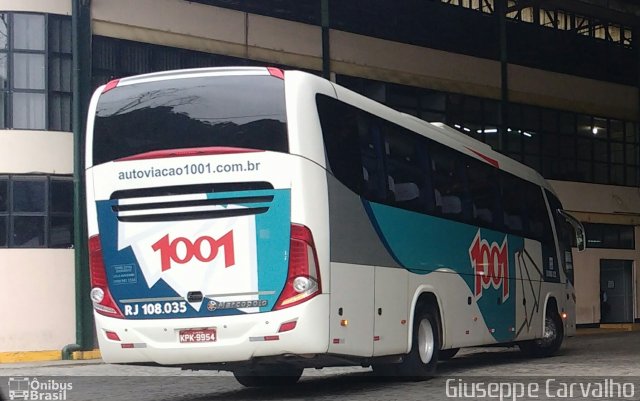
{"x":490,"y":263}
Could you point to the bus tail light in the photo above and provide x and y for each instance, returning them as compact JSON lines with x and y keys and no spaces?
{"x":110,"y":85}
{"x":276,"y":72}
{"x":103,"y":302}
{"x":303,"y":277}
{"x":112,"y":335}
{"x":288,"y":326}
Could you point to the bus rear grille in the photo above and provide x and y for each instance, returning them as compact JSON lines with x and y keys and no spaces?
{"x":200,"y":215}
{"x":191,"y":189}
{"x":190,"y":202}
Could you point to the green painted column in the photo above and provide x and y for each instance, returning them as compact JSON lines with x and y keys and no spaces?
{"x":326,"y":53}
{"x":501,"y":11}
{"x":81,"y":40}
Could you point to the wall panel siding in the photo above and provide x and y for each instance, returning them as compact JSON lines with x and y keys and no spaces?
{"x":234,"y":33}
{"x":37,"y":294}
{"x":24,"y":152}
{"x":39,"y":6}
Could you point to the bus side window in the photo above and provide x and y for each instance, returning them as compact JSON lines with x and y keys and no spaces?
{"x":513,"y":203}
{"x":448,"y":182}
{"x":406,"y":177}
{"x":483,"y":186}
{"x":539,"y":225}
{"x":565,"y":235}
{"x":372,"y":153}
{"x":339,"y":123}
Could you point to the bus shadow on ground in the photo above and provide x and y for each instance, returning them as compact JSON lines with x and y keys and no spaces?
{"x":358,"y":384}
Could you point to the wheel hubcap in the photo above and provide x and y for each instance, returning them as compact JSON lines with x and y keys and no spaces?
{"x":550,"y":332}
{"x":425,"y":341}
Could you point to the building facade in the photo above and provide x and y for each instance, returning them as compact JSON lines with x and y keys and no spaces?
{"x":555,"y":87}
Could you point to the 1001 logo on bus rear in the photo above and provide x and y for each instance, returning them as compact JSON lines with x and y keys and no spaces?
{"x":169,"y":253}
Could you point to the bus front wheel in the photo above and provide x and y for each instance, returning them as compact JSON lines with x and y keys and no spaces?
{"x":551,"y":340}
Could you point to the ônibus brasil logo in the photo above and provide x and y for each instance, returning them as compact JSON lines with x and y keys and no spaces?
{"x":169,"y":250}
{"x":490,"y":263}
{"x":24,"y":388}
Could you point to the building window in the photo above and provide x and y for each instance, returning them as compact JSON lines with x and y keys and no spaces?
{"x":561,"y":145}
{"x":116,"y":58}
{"x":35,"y":71}
{"x":36,"y":211}
{"x":613,"y":236}
{"x":594,"y":27}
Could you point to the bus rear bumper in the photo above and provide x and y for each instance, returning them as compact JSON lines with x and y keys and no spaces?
{"x":238,"y":338}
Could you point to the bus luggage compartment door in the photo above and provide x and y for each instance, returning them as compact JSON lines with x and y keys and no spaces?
{"x":391,"y":311}
{"x":351,"y":317}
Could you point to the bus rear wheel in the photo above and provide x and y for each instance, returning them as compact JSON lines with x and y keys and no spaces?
{"x":420,"y":363}
{"x":551,"y":340}
{"x":268,"y":376}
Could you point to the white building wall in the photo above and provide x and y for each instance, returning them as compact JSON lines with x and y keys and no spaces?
{"x":37,"y":299}
{"x":25,"y":152}
{"x":39,"y":6}
{"x":37,"y":286}
{"x":600,"y":204}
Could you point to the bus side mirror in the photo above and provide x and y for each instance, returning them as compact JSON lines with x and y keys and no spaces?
{"x":578,"y":228}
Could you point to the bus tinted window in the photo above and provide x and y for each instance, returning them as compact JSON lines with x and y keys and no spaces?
{"x":387,"y":163}
{"x":243,"y":111}
{"x":375,"y":158}
{"x":449,"y":181}
{"x":485,"y":193}
{"x":375,"y":183}
{"x":539,"y":226}
{"x":340,"y":130}
{"x":513,"y":204}
{"x":565,"y":235}
{"x":406,"y":156}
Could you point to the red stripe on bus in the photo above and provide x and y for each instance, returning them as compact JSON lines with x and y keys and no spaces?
{"x":213,"y":150}
{"x":489,"y":160}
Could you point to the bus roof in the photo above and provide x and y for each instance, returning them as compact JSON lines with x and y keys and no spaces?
{"x":193,"y":72}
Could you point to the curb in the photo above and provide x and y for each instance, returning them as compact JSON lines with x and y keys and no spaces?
{"x":596,"y":330}
{"x":43,"y":356}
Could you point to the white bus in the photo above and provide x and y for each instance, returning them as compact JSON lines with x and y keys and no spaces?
{"x":262,"y":221}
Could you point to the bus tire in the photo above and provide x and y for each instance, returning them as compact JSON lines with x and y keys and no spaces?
{"x":385,"y":369}
{"x":420,"y":363}
{"x":270,"y":376}
{"x":446,"y":354}
{"x":552,"y":338}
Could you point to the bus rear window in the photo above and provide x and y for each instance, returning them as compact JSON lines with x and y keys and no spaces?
{"x":231,"y":111}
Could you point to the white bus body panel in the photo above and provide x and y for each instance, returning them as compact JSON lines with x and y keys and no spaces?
{"x":351,"y":321}
{"x":391,"y":325}
{"x":240,"y":337}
